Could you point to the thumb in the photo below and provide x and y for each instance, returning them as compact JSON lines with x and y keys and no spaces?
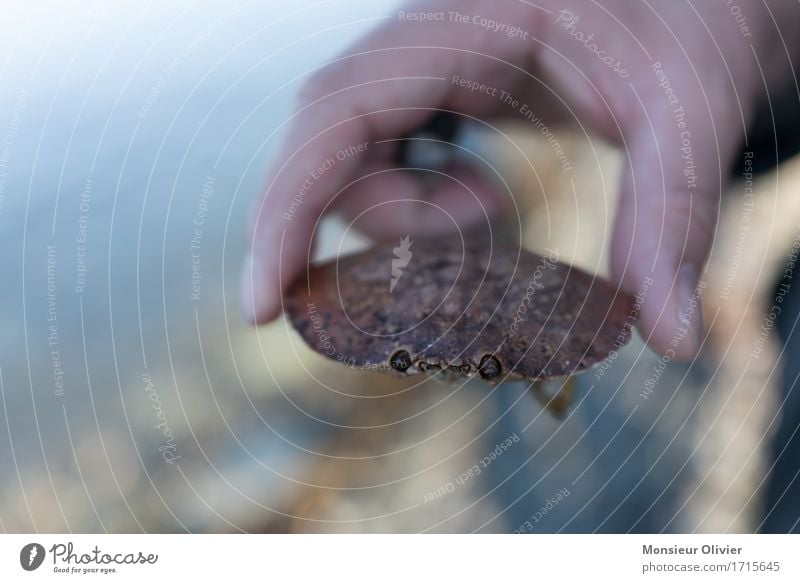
{"x":665,"y":225}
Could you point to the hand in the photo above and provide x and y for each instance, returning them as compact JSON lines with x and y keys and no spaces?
{"x":674,"y":85}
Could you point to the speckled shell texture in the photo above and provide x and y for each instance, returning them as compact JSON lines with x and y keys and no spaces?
{"x":456,"y":304}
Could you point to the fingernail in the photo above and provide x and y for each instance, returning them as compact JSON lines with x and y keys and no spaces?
{"x":690,"y":314}
{"x":254,"y":303}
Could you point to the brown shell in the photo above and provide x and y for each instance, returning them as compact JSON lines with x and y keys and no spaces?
{"x":468,"y":307}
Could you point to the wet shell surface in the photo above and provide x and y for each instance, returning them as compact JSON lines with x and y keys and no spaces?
{"x":463,"y":307}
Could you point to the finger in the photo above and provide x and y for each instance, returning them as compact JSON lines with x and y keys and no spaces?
{"x":389,"y":202}
{"x":284,"y":219}
{"x":374,"y":94}
{"x":339,"y":111}
{"x":666,"y":220}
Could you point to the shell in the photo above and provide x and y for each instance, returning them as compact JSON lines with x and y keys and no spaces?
{"x":466,"y":306}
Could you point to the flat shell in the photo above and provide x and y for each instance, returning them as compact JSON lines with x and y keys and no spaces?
{"x":460,"y":306}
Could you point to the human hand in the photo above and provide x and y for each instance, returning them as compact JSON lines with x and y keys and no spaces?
{"x":674,"y":85}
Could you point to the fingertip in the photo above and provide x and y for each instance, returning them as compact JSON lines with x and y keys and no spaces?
{"x":671,"y":320}
{"x":681,"y":350}
{"x":258,"y":302}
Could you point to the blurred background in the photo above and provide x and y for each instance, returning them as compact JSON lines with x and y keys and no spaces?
{"x":134,"y":398}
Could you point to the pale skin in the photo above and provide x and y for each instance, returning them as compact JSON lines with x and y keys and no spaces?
{"x":390,"y":82}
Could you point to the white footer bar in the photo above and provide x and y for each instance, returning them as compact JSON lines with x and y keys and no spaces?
{"x":401,"y":558}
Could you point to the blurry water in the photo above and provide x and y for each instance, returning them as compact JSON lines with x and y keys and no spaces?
{"x":134,"y":140}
